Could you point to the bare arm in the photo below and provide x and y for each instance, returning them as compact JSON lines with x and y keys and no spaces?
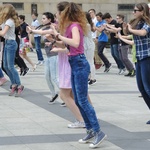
{"x":4,"y":31}
{"x":141,"y":32}
{"x":74,"y":41}
{"x":126,"y":39}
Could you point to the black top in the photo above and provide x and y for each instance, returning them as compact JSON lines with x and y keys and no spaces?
{"x":121,"y":32}
{"x":23,"y":32}
{"x":113,"y":40}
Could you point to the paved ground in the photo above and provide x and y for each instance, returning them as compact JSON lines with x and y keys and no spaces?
{"x":29,"y":123}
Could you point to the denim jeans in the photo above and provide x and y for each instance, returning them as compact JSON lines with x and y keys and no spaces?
{"x":143,"y":79}
{"x":115,"y":55}
{"x":51,"y":74}
{"x":80,"y":70}
{"x":101,"y":46}
{"x":37,"y":41}
{"x":8,"y":61}
{"x":1,"y":73}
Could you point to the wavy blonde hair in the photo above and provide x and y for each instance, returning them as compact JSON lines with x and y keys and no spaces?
{"x":71,"y":12}
{"x":8,"y":11}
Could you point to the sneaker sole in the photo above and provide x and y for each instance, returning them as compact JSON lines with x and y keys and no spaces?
{"x":84,"y":142}
{"x":94,"y":146}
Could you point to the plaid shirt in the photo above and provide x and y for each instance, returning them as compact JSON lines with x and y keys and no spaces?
{"x":142,"y":42}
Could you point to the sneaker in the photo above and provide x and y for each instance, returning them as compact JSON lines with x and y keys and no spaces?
{"x":121,"y":71}
{"x":148,"y":122}
{"x":128,"y":74}
{"x":87,"y":138}
{"x":77,"y":124}
{"x":92,"y":82}
{"x":2,"y":81}
{"x":108,"y":68}
{"x":63,"y":104}
{"x":13,"y":90}
{"x":38,"y":63}
{"x":25,"y":71}
{"x":98,"y":138}
{"x":41,"y":62}
{"x":53,"y":99}
{"x":133,"y":73}
{"x":21,"y":71}
{"x":19,"y":90}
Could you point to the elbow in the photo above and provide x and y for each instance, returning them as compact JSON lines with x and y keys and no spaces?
{"x":76,"y":45}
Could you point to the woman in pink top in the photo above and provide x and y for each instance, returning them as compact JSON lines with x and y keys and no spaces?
{"x":73,"y":24}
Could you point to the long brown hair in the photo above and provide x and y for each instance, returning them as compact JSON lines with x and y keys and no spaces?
{"x":71,"y":12}
{"x":89,"y":20}
{"x":145,"y":17}
{"x":8,"y":11}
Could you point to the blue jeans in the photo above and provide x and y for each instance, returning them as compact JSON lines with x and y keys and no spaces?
{"x":143,"y":79}
{"x":51,"y":74}
{"x":115,"y":55}
{"x":37,"y":41}
{"x":80,"y":70}
{"x":10,"y":49}
{"x":1,"y":73}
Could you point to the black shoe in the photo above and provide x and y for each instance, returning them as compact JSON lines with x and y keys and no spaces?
{"x":148,"y":122}
{"x":133,"y":73}
{"x":92,"y":82}
{"x":53,"y":99}
{"x":108,"y":68}
{"x":128,"y":75}
{"x":26,"y":71}
{"x":21,"y":71}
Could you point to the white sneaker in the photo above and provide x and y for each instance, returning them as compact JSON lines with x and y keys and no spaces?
{"x":122,"y":71}
{"x":77,"y":124}
{"x":41,"y":62}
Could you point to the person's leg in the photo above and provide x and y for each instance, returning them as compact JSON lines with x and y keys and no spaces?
{"x":37,"y":41}
{"x":143,"y":79}
{"x":126,"y":61}
{"x":48,"y":76}
{"x":66,"y":96}
{"x":97,"y":60}
{"x":79,"y":80}
{"x":101,"y":46}
{"x":116,"y":56}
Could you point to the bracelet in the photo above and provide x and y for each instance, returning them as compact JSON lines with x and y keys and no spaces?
{"x":57,"y":35}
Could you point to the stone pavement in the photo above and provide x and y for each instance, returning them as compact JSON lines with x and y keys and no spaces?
{"x":30,"y":123}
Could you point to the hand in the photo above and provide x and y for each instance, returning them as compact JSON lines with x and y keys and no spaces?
{"x":118,"y":35}
{"x":55,"y":49}
{"x":54,"y":29}
{"x":129,"y":27}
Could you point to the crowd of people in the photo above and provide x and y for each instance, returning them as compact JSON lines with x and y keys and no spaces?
{"x":74,"y":44}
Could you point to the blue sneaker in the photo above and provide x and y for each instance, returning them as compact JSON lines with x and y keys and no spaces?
{"x":148,"y":122}
{"x":87,"y":138}
{"x":98,"y":138}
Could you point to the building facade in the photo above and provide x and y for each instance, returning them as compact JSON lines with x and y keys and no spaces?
{"x":26,"y":7}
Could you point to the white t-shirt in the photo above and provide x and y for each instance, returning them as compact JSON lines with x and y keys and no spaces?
{"x":94,"y":20}
{"x":35,"y":23}
{"x":10,"y":34}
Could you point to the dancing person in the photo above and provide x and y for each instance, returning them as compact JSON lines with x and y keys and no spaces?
{"x":73,"y":25}
{"x":8,"y":21}
{"x":140,"y":28}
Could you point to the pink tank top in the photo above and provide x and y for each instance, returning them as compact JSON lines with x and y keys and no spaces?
{"x":75,"y":51}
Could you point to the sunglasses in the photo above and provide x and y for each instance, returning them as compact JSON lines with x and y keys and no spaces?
{"x":135,"y":10}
